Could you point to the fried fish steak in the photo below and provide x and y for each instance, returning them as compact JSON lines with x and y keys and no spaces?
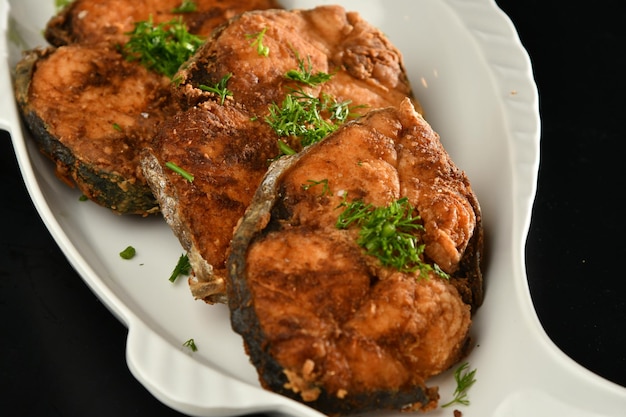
{"x":228,"y":165}
{"x":91,"y":111}
{"x":109,"y":21}
{"x":323,"y":322}
{"x":227,"y":153}
{"x":368,"y":70}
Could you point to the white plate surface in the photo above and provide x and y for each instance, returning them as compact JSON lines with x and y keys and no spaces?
{"x":475,"y":81}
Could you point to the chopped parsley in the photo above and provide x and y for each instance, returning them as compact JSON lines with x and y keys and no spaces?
{"x":304,"y":74}
{"x":389,"y":234}
{"x":187,"y":6}
{"x":464,"y":380}
{"x":303,"y":119}
{"x":128,"y":253}
{"x":323,"y":183}
{"x":219,"y":88}
{"x":285,"y":149}
{"x":183,"y":267}
{"x":162,"y":48}
{"x":117,"y":127}
{"x":186,"y":175}
{"x":261,"y":49}
{"x":307,"y":118}
{"x":59,"y":4}
{"x":191,"y":344}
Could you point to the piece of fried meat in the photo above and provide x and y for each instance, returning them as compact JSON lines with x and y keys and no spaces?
{"x":90,"y":108}
{"x":323,"y":321}
{"x":110,"y":21}
{"x":224,"y":140}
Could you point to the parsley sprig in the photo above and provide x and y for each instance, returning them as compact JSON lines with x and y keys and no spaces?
{"x":323,"y":183}
{"x":261,"y":49}
{"x":191,"y":345}
{"x":187,"y":6}
{"x":389,"y":233}
{"x":304,"y":74}
{"x":183,"y":267}
{"x":464,"y":380}
{"x":60,"y":4}
{"x":163,"y":47}
{"x":306,"y":117}
{"x":302,"y":118}
{"x":219,"y":88}
{"x":180,"y":171}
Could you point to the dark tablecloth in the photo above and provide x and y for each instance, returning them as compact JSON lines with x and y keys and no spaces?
{"x":62,"y":352}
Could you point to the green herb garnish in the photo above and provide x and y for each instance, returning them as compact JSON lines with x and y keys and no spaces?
{"x":285,"y":149}
{"x":162,"y":48}
{"x":183,"y":267}
{"x":187,"y":6}
{"x":191,"y":344}
{"x":128,"y":253}
{"x":304,"y":74}
{"x":261,"y":49}
{"x":219,"y":88}
{"x":323,"y":183}
{"x":117,"y":127}
{"x":464,"y":380}
{"x":389,"y":234}
{"x":308,"y":118}
{"x":303,"y":118}
{"x":186,"y":175}
{"x":83,"y":197}
{"x":59,"y":4}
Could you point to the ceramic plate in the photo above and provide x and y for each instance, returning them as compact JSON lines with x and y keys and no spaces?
{"x":475,"y":81}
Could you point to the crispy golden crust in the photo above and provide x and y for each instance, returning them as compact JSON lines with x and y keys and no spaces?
{"x":412,"y":164}
{"x":91,"y":111}
{"x":228,"y":155}
{"x":367,"y":68}
{"x":333,"y":39}
{"x":323,"y":322}
{"x":109,"y":21}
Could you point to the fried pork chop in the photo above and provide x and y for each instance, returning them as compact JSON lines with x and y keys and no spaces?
{"x":227,"y":145}
{"x":323,"y":322}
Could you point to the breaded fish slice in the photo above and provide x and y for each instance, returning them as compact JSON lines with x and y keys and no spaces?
{"x":91,"y":111}
{"x":366,"y":69}
{"x":109,"y":21}
{"x":227,"y":153}
{"x":323,"y":322}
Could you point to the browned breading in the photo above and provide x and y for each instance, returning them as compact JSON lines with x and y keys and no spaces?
{"x":90,"y":109}
{"x":327,"y":324}
{"x":367,"y":70}
{"x":91,"y":112}
{"x":109,"y":21}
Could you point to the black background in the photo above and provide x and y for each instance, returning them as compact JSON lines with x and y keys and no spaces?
{"x":62,"y":352}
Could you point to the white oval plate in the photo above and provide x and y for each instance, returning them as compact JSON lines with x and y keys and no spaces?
{"x":474,"y":79}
